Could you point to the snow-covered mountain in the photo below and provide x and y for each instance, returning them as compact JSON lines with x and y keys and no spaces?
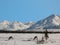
{"x":6,"y":25}
{"x":29,"y":23}
{"x":51,"y":22}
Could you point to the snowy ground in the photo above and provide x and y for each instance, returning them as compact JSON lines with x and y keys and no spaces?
{"x":24,"y":39}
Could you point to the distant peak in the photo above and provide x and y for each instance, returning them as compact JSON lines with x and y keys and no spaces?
{"x":53,"y":15}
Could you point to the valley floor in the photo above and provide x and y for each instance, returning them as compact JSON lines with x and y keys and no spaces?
{"x":27,"y":39}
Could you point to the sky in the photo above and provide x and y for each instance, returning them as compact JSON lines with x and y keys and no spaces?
{"x":28,"y":10}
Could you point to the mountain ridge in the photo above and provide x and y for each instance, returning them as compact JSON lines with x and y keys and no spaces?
{"x":51,"y":22}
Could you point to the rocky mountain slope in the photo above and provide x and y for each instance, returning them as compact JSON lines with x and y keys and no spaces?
{"x":51,"y":22}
